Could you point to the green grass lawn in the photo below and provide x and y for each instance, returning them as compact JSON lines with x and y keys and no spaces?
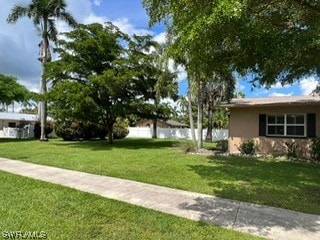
{"x":282,"y":184}
{"x":29,"y":205}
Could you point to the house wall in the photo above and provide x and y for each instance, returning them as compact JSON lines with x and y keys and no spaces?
{"x":5,"y":123}
{"x":244,"y":126}
{"x":144,"y":123}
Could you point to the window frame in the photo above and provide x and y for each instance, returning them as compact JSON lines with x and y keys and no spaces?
{"x":285,"y":125}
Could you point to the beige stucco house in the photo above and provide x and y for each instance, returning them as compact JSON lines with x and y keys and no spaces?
{"x":271,"y":122}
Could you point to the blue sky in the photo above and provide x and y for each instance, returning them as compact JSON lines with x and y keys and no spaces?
{"x":18,"y":43}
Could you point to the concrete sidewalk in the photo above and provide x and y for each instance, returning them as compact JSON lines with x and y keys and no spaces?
{"x":270,"y":222}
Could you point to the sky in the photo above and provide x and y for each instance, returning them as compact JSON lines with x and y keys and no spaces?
{"x":19,"y":43}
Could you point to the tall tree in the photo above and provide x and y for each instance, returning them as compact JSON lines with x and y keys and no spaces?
{"x":219,"y":88}
{"x":93,"y":80}
{"x":147,"y":57}
{"x":166,"y":84}
{"x":43,"y":14}
{"x":190,"y":111}
{"x":277,"y":40}
{"x":11,"y":91}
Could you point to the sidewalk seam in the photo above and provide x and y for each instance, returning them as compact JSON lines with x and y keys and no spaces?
{"x":236,"y":217}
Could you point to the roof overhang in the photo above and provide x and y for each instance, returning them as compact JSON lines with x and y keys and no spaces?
{"x":272,"y":101}
{"x":18,"y":117}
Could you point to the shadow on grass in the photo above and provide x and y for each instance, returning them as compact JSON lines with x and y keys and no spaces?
{"x":279,"y":184}
{"x":133,"y":144}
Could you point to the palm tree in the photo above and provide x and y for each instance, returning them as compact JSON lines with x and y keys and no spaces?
{"x":218,"y":88}
{"x":166,"y":84}
{"x":43,"y":13}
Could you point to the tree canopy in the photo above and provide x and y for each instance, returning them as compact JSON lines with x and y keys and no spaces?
{"x":276,"y":40}
{"x":156,"y":80}
{"x":43,"y":14}
{"x":101,"y":75}
{"x":92,"y":80}
{"x":12,"y":91}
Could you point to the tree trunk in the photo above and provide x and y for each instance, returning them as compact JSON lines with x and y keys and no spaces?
{"x":43,"y":85}
{"x":110,"y":131}
{"x":43,"y":103}
{"x":110,"y":122}
{"x":200,"y":115}
{"x":154,"y":128}
{"x":155,"y":119}
{"x":193,"y":134}
{"x":210,"y":119}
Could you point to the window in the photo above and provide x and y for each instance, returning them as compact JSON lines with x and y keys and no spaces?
{"x":11,"y":124}
{"x":291,"y":125}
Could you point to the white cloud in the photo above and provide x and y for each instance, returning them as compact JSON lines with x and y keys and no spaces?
{"x":122,"y":23}
{"x":279,"y":85}
{"x":180,"y":70}
{"x":92,"y":18}
{"x":275,"y":94}
{"x":97,"y":2}
{"x":125,"y":26}
{"x":19,"y":41}
{"x":160,"y":38}
{"x":174,"y":104}
{"x":307,"y":85}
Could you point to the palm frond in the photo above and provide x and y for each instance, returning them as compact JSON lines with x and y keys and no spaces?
{"x":68,"y":18}
{"x":17,"y":12}
{"x":52,"y":30}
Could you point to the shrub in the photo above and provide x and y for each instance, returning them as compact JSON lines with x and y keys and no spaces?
{"x":314,"y":149}
{"x":188,"y":146}
{"x":247,"y":147}
{"x":37,"y":129}
{"x":70,"y":131}
{"x":222,"y":145}
{"x":292,"y":150}
{"x":120,"y":128}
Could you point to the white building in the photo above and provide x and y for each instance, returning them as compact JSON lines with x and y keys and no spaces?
{"x":17,"y":125}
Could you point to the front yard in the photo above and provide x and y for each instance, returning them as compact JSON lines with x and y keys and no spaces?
{"x":282,"y":184}
{"x":55,"y":212}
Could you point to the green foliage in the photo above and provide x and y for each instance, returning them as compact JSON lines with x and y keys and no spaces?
{"x":247,"y":147}
{"x":11,"y":90}
{"x":222,"y":145}
{"x":44,"y":15}
{"x":37,"y":129}
{"x":156,"y":81}
{"x":220,"y":118}
{"x":120,"y":128}
{"x":72,"y":100}
{"x":98,"y":79}
{"x":93,"y":80}
{"x":188,"y":146}
{"x":259,"y":37}
{"x":315,"y":149}
{"x":292,"y":150}
{"x":75,"y":131}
